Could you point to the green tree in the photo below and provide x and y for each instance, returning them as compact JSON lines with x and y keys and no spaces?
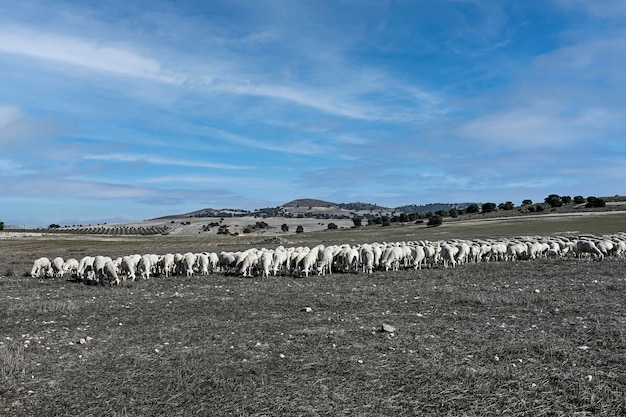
{"x":1,"y":226}
{"x":332,"y":226}
{"x":579,"y":199}
{"x":299,"y":229}
{"x":489,"y":207}
{"x":54,"y":226}
{"x":527,"y":202}
{"x":554,"y":200}
{"x":442,"y":213}
{"x":357,"y":221}
{"x":506,"y":206}
{"x":595,"y":202}
{"x":539,"y":207}
{"x":284,"y":227}
{"x":566,"y":199}
{"x":453,"y":212}
{"x":472,"y":208}
{"x":435,"y":220}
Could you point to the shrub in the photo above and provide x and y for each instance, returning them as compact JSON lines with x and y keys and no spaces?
{"x":435,"y":220}
{"x":332,"y":226}
{"x":284,"y":227}
{"x":472,"y":208}
{"x":299,"y":229}
{"x":356,"y":220}
{"x":489,"y":207}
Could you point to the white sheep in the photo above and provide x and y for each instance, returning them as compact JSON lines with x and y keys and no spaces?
{"x":57,"y":267}
{"x":41,"y":266}
{"x":110,"y":271}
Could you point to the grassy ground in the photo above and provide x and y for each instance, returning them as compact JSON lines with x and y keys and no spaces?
{"x":544,"y":337}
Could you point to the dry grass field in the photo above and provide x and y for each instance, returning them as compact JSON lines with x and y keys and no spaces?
{"x":530,"y":338}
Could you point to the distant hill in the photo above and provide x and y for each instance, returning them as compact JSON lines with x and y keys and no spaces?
{"x":433,"y":207}
{"x":309,"y":202}
{"x":207,"y":212}
{"x":312,"y":206}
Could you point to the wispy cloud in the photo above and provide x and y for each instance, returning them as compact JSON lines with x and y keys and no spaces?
{"x":147,"y":159}
{"x":82,"y":53}
{"x":17,"y":126}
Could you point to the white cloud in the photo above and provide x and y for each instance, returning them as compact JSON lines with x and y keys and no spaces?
{"x":611,"y":9}
{"x":83,"y":53}
{"x":16,"y":126}
{"x":147,"y":159}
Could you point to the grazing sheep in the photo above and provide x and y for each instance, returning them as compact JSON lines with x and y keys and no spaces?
{"x":41,"y":266}
{"x":57,"y":267}
{"x":71,"y":266}
{"x":110,"y":271}
{"x":584,"y":247}
{"x":419,"y":256}
{"x":265,"y":264}
{"x":187,"y":263}
{"x":128,"y":267}
{"x":144,"y":267}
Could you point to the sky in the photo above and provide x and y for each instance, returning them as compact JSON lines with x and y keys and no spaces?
{"x":115,"y":111}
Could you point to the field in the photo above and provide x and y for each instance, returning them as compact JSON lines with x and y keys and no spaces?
{"x":532,"y":338}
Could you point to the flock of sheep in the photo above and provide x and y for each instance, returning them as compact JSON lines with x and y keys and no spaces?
{"x":322,"y":260}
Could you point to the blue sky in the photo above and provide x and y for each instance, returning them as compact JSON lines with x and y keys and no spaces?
{"x":122,"y":111}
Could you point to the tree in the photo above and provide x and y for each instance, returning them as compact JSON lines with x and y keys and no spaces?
{"x":506,"y":206}
{"x":595,"y":202}
{"x":357,"y":221}
{"x":435,"y":220}
{"x":442,"y":213}
{"x":489,"y":207}
{"x":472,"y":208}
{"x":539,"y":207}
{"x":299,"y":229}
{"x":453,"y":212}
{"x":284,"y":227}
{"x":332,"y":226}
{"x":579,"y":199}
{"x":54,"y":226}
{"x":403,"y":218}
{"x":554,"y":200}
{"x":527,"y":202}
{"x":1,"y":226}
{"x":566,"y":199}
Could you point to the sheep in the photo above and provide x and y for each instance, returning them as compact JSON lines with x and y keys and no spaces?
{"x":367,"y":260}
{"x":128,"y":267}
{"x":248,"y":264}
{"x":71,"y":266}
{"x":41,"y":265}
{"x":419,"y":256}
{"x":98,"y":267}
{"x":308,"y":263}
{"x":214,"y":261}
{"x":265,"y":264}
{"x":168,"y":264}
{"x":57,"y":267}
{"x":278,"y":261}
{"x":187,"y":263}
{"x":144,"y":267}
{"x":110,"y":271}
{"x":588,"y":247}
{"x":325,"y":263}
{"x":448,"y":253}
{"x":202,"y":260}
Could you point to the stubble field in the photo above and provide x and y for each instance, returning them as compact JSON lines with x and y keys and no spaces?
{"x":544,"y":337}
